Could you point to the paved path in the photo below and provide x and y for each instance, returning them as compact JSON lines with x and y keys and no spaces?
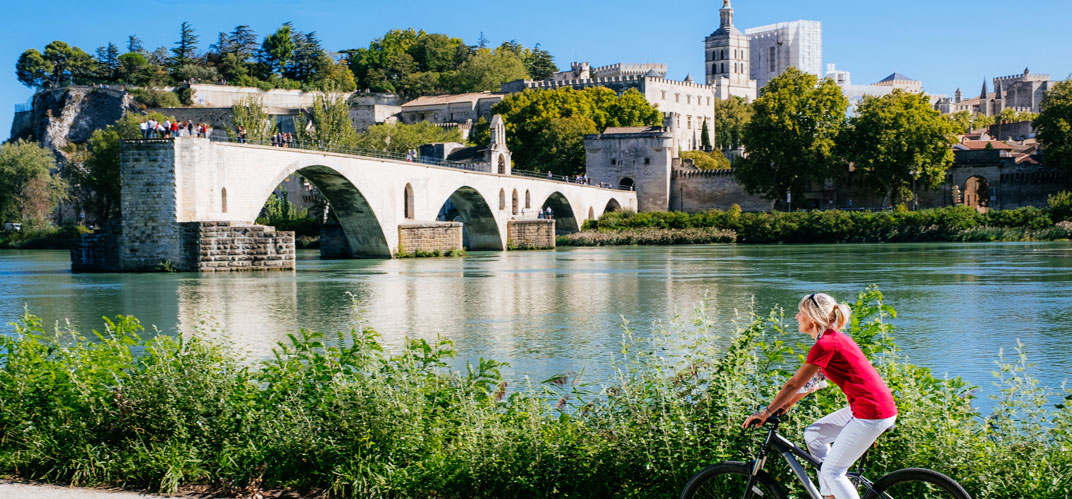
{"x":16,"y":490}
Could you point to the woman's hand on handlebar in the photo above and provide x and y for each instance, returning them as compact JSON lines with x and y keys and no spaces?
{"x":756,"y":419}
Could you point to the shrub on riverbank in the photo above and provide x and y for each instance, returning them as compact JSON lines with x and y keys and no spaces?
{"x":647,"y":235}
{"x":341,"y":415}
{"x":958,"y":223}
{"x":50,"y":237}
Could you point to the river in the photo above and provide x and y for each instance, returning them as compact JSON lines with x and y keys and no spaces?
{"x":546,"y":312}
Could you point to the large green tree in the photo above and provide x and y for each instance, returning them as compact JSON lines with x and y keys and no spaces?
{"x":277,"y":50}
{"x":541,"y":139}
{"x":898,"y":141}
{"x":731,"y":117}
{"x":792,"y":135}
{"x":185,"y":50}
{"x":59,"y":64}
{"x":252,"y":116}
{"x":1053,"y":127}
{"x":29,"y":187}
{"x":328,"y":125}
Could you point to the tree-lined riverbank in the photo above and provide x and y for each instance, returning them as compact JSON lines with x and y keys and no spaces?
{"x":338,"y":414}
{"x":952,"y":224}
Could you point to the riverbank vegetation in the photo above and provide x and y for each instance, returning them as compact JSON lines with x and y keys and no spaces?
{"x":952,"y":224}
{"x":341,"y":415}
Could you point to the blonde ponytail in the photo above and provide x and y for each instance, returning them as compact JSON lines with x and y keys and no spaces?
{"x":825,"y":311}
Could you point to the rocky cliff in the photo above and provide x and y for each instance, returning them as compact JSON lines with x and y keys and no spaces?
{"x":70,"y":115}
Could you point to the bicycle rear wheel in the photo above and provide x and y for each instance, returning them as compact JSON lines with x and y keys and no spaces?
{"x":728,"y":480}
{"x":917,"y":483}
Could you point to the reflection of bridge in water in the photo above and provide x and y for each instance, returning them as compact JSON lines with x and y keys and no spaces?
{"x":169,"y":182}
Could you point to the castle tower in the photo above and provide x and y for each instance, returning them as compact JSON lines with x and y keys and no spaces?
{"x":956,"y":96}
{"x":727,"y":51}
{"x":498,"y":155}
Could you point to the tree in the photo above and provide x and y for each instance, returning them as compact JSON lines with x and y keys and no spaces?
{"x":278,"y":49}
{"x":185,"y":49}
{"x":713,"y":160}
{"x":400,"y":137}
{"x":328,"y":125}
{"x":309,"y":61}
{"x":108,"y":62}
{"x":251,"y":115}
{"x":29,"y":188}
{"x":791,"y":137}
{"x":705,"y":137}
{"x":731,"y":117}
{"x":1053,"y":127}
{"x":962,"y":121}
{"x":133,"y":68}
{"x":487,"y":70}
{"x":897,"y":140}
{"x":541,"y":140}
{"x":981,"y":120}
{"x":33,"y":70}
{"x":134,"y":44}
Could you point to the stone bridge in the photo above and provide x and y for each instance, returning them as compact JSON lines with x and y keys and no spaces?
{"x":169,"y":184}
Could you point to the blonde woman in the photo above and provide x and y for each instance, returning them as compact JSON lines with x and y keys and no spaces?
{"x":836,"y":357}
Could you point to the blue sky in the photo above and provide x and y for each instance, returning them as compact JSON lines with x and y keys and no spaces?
{"x":946,"y":44}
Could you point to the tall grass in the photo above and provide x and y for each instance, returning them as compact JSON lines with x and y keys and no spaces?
{"x":339,"y":415}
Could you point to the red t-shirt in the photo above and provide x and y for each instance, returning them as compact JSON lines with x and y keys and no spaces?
{"x":843,"y":363}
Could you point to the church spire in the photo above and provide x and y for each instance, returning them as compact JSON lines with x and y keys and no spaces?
{"x":726,"y":13}
{"x":983,"y":95}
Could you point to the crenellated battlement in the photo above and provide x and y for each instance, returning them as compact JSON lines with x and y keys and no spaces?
{"x":631,"y":68}
{"x":518,"y":85}
{"x":1027,"y":75}
{"x":687,"y":173}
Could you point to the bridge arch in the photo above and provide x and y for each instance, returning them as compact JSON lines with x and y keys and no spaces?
{"x":565,"y":220}
{"x":481,"y":228}
{"x":362,"y":228}
{"x":612,"y":206}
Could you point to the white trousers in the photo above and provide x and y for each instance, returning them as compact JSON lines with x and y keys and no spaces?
{"x":850,"y":438}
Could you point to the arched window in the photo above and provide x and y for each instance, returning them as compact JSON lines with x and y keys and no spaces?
{"x":591,"y":213}
{"x":513,"y":203}
{"x":408,"y":203}
{"x":528,"y":200}
{"x":626,"y":183}
{"x":502,"y":199}
{"x":502,"y":164}
{"x":223,"y":199}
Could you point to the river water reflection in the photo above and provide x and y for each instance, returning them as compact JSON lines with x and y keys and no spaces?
{"x":545,"y":312}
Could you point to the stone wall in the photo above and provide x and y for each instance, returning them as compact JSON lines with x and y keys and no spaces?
{"x":98,"y":252}
{"x":693,"y":190}
{"x":640,"y":159}
{"x":530,"y":234}
{"x":429,"y":237}
{"x":231,"y":246}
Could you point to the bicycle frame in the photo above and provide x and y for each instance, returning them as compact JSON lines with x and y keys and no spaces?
{"x":790,"y":452}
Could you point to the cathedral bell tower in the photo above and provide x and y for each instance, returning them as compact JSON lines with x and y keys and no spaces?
{"x":727,"y":51}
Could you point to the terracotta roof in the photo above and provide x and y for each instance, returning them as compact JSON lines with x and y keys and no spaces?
{"x":429,"y":100}
{"x":976,"y":145}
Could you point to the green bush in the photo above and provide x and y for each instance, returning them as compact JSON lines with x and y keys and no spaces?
{"x":1060,"y":205}
{"x":151,"y":98}
{"x":49,"y":237}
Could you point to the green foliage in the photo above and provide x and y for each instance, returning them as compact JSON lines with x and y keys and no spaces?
{"x":731,"y":117}
{"x":1009,"y":115}
{"x":29,"y":186}
{"x":43,"y":237}
{"x":791,"y":136}
{"x":151,"y":98}
{"x":1053,"y":127}
{"x":959,"y":223}
{"x":185,"y":49}
{"x":328,"y":125}
{"x":400,"y":137}
{"x":705,"y":137}
{"x":280,"y":213}
{"x":60,"y":64}
{"x":545,"y":128}
{"x":1060,"y":205}
{"x":338,"y":415}
{"x":251,"y":116}
{"x":713,"y":160}
{"x":488,"y":69}
{"x":898,"y":139}
{"x":647,"y":236}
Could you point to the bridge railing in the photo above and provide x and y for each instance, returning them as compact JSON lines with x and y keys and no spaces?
{"x":333,"y":148}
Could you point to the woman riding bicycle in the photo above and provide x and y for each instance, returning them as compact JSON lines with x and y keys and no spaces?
{"x":836,"y":357}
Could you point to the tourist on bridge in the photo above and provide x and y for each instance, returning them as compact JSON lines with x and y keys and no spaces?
{"x":144,"y":126}
{"x":550,"y":214}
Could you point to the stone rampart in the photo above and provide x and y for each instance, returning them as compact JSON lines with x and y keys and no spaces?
{"x":230,"y":246}
{"x":429,"y":237}
{"x":701,"y":190}
{"x":149,"y":235}
{"x":530,"y":234}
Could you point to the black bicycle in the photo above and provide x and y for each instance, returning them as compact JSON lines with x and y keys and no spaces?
{"x":748,"y":480}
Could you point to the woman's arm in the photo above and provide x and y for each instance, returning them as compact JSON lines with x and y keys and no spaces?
{"x":786,"y":396}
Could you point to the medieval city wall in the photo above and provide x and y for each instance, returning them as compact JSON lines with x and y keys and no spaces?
{"x":701,"y":190}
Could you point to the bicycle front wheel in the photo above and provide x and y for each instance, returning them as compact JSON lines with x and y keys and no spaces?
{"x":917,"y":483}
{"x":728,"y":480}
